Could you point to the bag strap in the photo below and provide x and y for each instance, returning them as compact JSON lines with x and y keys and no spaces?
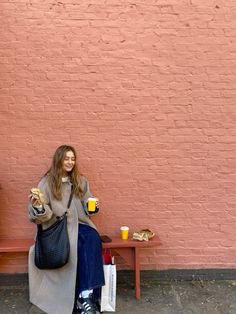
{"x":70,"y":198}
{"x":39,"y":226}
{"x":69,"y":202}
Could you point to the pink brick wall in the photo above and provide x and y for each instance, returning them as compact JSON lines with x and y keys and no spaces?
{"x":146,"y":93}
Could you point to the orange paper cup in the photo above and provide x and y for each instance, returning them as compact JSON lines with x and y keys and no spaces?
{"x":124,"y":232}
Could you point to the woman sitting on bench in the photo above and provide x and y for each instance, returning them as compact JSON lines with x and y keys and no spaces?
{"x":58,"y":290}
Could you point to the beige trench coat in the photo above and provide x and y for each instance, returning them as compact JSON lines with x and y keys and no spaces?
{"x":53,"y":290}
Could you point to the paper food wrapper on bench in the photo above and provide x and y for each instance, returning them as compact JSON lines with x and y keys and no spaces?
{"x":143,"y":235}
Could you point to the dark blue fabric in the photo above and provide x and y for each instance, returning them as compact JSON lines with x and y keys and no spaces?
{"x":90,"y":264}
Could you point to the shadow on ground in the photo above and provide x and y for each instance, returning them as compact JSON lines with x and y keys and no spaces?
{"x":157,"y":296}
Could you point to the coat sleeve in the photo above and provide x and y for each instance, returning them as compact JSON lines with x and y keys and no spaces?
{"x":39,"y":218}
{"x":47,"y":213}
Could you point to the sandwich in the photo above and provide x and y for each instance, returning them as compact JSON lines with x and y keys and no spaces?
{"x":38,"y":195}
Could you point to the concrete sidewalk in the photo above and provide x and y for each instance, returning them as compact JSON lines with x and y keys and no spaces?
{"x":157,"y":296}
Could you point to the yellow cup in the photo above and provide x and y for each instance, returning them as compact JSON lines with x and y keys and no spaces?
{"x":124,"y":232}
{"x":91,"y":204}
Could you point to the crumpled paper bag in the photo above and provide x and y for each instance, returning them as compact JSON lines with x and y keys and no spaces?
{"x":143,"y":235}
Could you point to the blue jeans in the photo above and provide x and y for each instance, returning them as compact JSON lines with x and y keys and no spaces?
{"x":90,"y":264}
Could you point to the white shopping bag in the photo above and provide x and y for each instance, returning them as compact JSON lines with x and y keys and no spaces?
{"x":108,"y":294}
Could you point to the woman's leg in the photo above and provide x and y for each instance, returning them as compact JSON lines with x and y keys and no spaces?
{"x":90,"y":265}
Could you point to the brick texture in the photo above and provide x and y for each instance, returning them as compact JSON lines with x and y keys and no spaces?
{"x":146,"y":93}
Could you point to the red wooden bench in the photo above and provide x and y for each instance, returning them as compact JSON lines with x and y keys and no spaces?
{"x":127,"y":249}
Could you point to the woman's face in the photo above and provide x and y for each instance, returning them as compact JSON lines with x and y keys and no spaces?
{"x":68,"y":161}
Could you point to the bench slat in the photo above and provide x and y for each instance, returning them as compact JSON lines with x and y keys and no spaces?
{"x":15,"y":245}
{"x":119,"y":243}
{"x":23,"y":245}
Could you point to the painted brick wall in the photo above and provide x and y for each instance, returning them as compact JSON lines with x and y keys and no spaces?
{"x":146,"y":93}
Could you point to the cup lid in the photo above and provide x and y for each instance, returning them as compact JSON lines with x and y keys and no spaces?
{"x":124,"y":228}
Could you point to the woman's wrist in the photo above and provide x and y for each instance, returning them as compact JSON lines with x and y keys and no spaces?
{"x":39,"y":209}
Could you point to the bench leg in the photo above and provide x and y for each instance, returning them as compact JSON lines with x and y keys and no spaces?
{"x":131,"y":256}
{"x":137,"y":273}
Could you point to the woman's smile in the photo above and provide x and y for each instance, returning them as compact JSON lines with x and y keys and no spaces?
{"x":68,"y":162}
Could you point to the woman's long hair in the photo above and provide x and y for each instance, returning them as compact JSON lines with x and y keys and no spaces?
{"x":55,"y":173}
